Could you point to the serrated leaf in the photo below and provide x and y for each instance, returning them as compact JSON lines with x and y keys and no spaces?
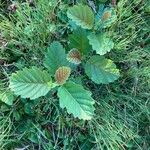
{"x":62,"y":74}
{"x":30,"y":83}
{"x":106,"y":16}
{"x":79,"y":41}
{"x":74,"y":56}
{"x":55,"y":57}
{"x":7,"y":97}
{"x":76,"y":100}
{"x":100,"y":43}
{"x":82,"y":15}
{"x":101,"y":70}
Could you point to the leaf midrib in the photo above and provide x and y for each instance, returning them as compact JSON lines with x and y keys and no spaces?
{"x":41,"y":83}
{"x":74,"y":99}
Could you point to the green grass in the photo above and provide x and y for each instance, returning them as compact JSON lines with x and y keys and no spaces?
{"x":122,"y":115}
{"x":6,"y":126}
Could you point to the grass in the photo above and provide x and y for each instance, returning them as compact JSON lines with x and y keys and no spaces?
{"x":122,"y":108}
{"x":5,"y":130}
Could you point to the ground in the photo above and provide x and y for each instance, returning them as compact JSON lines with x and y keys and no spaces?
{"x":122,"y":108}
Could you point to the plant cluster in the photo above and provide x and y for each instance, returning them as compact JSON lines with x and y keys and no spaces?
{"x":74,"y":74}
{"x":91,"y":37}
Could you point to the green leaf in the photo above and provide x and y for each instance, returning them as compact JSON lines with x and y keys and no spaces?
{"x":31,"y":83}
{"x":28,"y":108}
{"x":55,"y":57}
{"x":82,"y":15}
{"x":33,"y":137}
{"x":101,"y":70}
{"x":76,"y":100}
{"x":100,"y":43}
{"x":7,"y":97}
{"x":79,"y":41}
{"x":16,"y":115}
